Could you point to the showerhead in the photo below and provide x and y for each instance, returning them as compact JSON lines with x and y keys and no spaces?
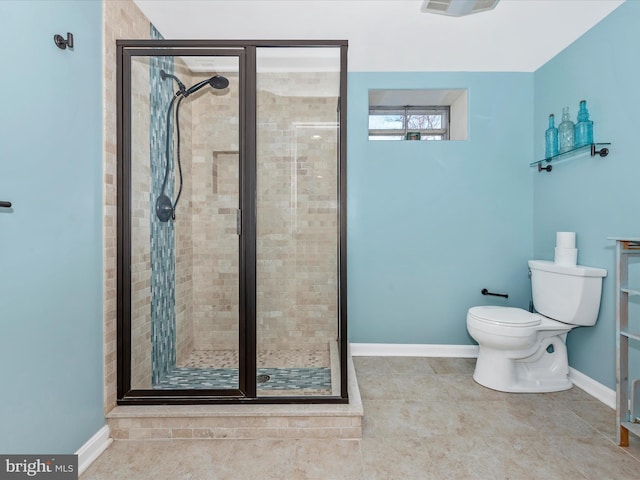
{"x":217,"y":81}
{"x":164,"y":75}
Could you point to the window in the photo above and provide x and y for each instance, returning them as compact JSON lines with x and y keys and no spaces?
{"x":416,"y":123}
{"x":418,"y":114}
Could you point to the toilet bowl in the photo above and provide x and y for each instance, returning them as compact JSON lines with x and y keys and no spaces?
{"x":524,"y":352}
{"x":519,"y":351}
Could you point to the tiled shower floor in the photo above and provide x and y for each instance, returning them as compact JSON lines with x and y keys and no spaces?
{"x":269,"y":358}
{"x":289,"y":372}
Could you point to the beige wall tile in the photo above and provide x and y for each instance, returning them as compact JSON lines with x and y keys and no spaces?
{"x":121,"y":20}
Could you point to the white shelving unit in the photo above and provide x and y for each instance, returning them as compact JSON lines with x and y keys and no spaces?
{"x":626,"y":415}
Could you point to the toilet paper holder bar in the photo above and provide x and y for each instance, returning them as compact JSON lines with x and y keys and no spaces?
{"x":484,"y":291}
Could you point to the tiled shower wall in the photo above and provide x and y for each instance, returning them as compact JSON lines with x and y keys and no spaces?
{"x":214,"y":182}
{"x":162,"y":253}
{"x":141,"y":227}
{"x":297,"y":216}
{"x":184,"y":228}
{"x":297,"y":212}
{"x":121,"y":19}
{"x":297,"y":221}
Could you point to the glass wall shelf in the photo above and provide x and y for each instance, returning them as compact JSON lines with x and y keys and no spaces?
{"x":594,"y":148}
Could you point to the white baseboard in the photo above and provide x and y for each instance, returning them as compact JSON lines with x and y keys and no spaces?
{"x":597,"y":390}
{"x":412,"y":350}
{"x":579,"y":379}
{"x":94,"y":447}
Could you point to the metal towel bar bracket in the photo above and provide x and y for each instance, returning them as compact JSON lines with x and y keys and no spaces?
{"x":484,"y":291}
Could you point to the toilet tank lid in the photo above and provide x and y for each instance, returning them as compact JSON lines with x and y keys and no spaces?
{"x":577,"y":270}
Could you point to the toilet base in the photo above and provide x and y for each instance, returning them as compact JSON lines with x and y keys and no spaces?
{"x":547,"y":370}
{"x":526,"y":386}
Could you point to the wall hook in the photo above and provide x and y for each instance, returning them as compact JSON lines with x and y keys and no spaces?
{"x":63,"y":43}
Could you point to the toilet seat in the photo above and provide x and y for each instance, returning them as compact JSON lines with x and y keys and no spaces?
{"x":504,"y":316}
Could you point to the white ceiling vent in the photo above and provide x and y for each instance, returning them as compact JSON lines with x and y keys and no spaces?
{"x":457,"y":8}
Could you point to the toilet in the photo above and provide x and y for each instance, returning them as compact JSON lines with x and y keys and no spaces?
{"x":524,"y":352}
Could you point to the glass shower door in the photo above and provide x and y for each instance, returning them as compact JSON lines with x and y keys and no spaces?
{"x":184,"y":191}
{"x":297,"y":230}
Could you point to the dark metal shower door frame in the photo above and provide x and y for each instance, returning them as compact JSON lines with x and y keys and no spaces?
{"x":246,"y":53}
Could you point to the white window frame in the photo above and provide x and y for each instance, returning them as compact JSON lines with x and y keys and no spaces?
{"x":405,"y":111}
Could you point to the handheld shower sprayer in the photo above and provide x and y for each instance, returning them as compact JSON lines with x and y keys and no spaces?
{"x":165,"y":208}
{"x":217,"y":81}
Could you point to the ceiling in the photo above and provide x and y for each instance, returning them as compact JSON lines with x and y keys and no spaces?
{"x":393,"y":35}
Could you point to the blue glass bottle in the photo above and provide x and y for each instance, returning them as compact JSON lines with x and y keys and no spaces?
{"x":551,"y":139}
{"x":583,"y":131}
{"x":565,"y":132}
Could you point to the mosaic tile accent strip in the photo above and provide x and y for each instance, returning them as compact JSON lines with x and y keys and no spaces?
{"x":279,"y":378}
{"x":163,"y":317}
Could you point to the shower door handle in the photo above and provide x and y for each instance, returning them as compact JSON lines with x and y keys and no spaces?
{"x":239,"y":222}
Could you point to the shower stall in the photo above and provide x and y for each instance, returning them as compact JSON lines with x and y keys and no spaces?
{"x":231,"y":222}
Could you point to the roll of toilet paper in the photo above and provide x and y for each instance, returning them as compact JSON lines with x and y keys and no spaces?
{"x":566,"y":256}
{"x":566,"y":239}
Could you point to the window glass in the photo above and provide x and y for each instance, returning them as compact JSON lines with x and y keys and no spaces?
{"x":424,"y":121}
{"x":386,"y":122}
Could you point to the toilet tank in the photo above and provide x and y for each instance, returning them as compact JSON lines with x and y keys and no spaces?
{"x":567,"y":293}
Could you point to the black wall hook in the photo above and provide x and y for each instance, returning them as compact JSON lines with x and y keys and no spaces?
{"x":61,"y":43}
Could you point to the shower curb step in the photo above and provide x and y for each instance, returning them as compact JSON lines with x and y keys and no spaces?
{"x":162,"y":422}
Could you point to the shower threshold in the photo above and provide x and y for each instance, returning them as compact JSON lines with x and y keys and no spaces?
{"x":320,"y":421}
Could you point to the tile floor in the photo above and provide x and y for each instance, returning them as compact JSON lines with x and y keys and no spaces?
{"x":424,"y":418}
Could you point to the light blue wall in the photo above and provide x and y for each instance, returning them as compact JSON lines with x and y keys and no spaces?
{"x":432,"y":223}
{"x":51,"y":373}
{"x":595,"y":197}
